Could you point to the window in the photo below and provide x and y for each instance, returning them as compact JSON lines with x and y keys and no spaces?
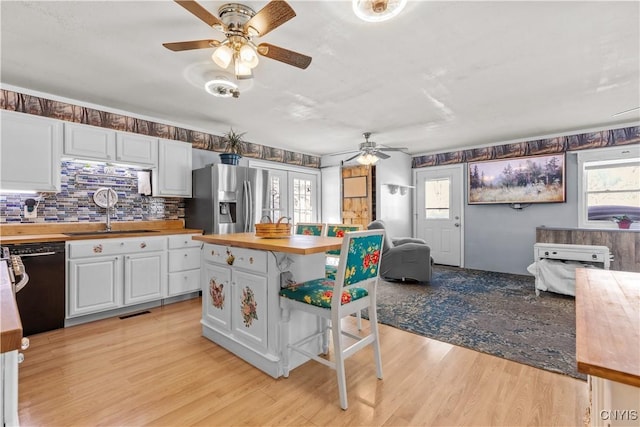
{"x":302,"y":206}
{"x":436,"y":197}
{"x":609,"y":186}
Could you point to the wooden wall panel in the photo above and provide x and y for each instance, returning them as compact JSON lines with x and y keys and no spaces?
{"x":358,"y":210}
{"x":623,"y":244}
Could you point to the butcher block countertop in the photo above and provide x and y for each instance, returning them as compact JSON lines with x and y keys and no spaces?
{"x":55,"y":232}
{"x":608,"y":324}
{"x":10,"y":325}
{"x":295,"y":244}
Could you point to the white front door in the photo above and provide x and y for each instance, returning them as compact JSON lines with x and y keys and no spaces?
{"x":303,"y":197}
{"x":439,"y":212}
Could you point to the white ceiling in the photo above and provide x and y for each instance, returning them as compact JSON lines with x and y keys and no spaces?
{"x":442,"y":75}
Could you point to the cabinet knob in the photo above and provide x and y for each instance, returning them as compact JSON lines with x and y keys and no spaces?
{"x":24,"y":344}
{"x":20,"y":357}
{"x":186,"y":255}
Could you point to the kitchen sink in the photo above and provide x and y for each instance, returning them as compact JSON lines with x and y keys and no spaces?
{"x":106,"y":233}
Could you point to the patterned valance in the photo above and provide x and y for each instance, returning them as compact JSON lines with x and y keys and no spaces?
{"x":30,"y":104}
{"x":604,"y":138}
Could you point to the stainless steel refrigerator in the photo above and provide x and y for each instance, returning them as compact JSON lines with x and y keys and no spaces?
{"x":227,"y":199}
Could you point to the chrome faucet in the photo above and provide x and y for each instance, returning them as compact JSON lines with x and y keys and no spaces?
{"x":108,"y":207}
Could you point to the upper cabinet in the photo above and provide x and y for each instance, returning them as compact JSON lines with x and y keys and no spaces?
{"x":30,"y":152}
{"x":136,"y":148}
{"x":89,"y":142}
{"x":173,"y":176}
{"x":96,"y":143}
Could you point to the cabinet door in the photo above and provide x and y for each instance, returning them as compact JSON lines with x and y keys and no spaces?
{"x":173,"y":175}
{"x":94,"y":285}
{"x":145,"y":277}
{"x":30,"y":152}
{"x":216,"y":295}
{"x":250,"y":309}
{"x":89,"y":142}
{"x":135,"y":148}
{"x":184,"y":281}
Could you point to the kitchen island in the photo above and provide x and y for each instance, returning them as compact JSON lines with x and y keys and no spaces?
{"x":241,"y":277}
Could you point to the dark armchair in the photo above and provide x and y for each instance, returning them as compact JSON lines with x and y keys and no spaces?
{"x":404,"y":258}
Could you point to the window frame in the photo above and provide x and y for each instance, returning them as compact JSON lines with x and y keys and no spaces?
{"x":612,"y":154}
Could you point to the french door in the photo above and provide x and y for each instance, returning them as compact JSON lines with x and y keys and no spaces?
{"x":439,"y":213}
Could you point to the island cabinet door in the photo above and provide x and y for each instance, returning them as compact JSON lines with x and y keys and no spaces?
{"x":250,"y":309}
{"x":216,"y":294}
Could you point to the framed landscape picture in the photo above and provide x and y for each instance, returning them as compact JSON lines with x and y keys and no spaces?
{"x":519,"y":180}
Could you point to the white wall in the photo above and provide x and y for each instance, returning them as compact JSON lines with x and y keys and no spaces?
{"x":394,"y":209}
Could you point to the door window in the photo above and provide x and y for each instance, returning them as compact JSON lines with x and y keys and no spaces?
{"x":437,"y":199}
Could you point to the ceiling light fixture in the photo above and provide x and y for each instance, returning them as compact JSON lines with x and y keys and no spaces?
{"x":377,"y":10}
{"x":222,"y":88}
{"x":367,"y":159}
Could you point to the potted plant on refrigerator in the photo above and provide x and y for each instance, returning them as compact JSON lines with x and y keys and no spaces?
{"x":234,"y":145}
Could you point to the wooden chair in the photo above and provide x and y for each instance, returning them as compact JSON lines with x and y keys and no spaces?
{"x":310,"y":228}
{"x":353,"y":290}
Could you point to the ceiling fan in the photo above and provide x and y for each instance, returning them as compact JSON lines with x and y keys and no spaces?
{"x":368,"y":152}
{"x":240,"y":24}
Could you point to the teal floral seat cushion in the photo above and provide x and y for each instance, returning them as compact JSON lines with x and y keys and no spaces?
{"x":319,"y":292}
{"x":338,"y":231}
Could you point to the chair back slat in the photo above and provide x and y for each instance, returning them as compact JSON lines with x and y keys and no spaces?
{"x":339,"y":230}
{"x":360,"y":257}
{"x":310,"y":228}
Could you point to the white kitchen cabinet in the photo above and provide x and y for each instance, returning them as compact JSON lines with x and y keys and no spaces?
{"x":30,"y":152}
{"x":184,"y":264}
{"x":136,"y":148}
{"x":89,"y":142}
{"x":234,"y":289}
{"x":172,"y":178}
{"x":112,"y":273}
{"x":145,"y":279}
{"x":95,"y":284}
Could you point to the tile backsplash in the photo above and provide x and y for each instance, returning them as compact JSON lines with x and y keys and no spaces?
{"x":74,"y":203}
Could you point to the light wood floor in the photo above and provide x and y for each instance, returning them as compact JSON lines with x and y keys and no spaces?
{"x":156,"y":369}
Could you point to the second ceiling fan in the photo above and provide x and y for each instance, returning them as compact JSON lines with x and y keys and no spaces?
{"x":241,"y":24}
{"x":369,"y":152}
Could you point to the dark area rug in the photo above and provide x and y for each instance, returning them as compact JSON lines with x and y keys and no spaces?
{"x":493,"y":313}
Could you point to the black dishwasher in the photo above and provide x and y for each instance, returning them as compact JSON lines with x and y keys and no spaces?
{"x":41,"y":302}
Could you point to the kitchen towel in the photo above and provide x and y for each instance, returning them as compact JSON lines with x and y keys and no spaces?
{"x":144,"y":182}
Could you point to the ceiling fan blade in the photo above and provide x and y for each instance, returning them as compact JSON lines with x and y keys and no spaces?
{"x":270,"y":17}
{"x":392,"y":149}
{"x":193,"y":44}
{"x":381,"y":155}
{"x":353,"y":157}
{"x":343,"y":153}
{"x":201,"y":13}
{"x":284,"y":55}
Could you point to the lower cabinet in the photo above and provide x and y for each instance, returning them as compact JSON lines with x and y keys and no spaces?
{"x":234,"y":289}
{"x":145,"y":278}
{"x":112,"y":273}
{"x":94,"y":285}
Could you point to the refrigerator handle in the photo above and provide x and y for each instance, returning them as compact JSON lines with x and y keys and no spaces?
{"x":245,"y":207}
{"x":251,"y":207}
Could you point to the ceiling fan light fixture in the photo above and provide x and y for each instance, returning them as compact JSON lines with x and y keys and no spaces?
{"x":249,"y":56}
{"x":222,"y":56}
{"x":367,"y":159}
{"x":377,"y":10}
{"x":242,"y":70}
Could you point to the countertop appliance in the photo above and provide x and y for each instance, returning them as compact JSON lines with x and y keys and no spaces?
{"x":41,"y":302}
{"x":227,"y":199}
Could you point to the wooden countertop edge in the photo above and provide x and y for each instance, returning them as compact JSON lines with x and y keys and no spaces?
{"x":266,"y":244}
{"x":11,"y":326}
{"x":59,"y":237}
{"x":609,"y":374}
{"x":596,"y":292}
